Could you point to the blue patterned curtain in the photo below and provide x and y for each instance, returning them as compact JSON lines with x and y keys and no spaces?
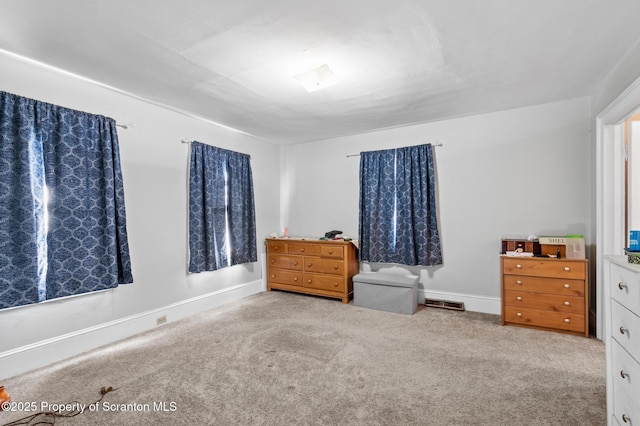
{"x":21,"y":203}
{"x":398,"y":215}
{"x":221,"y":209}
{"x":78,"y":240}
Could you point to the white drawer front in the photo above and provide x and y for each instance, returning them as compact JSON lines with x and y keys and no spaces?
{"x":625,"y":371}
{"x":625,"y":287}
{"x":625,"y":328}
{"x":625,"y":409}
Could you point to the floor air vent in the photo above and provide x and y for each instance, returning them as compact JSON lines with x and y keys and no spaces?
{"x":444,"y":304}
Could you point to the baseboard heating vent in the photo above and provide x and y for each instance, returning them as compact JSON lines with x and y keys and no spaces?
{"x":444,"y":304}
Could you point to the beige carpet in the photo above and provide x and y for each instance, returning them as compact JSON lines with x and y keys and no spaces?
{"x":284,"y":359}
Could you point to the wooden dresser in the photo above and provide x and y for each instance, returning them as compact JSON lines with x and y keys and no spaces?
{"x":318,"y":267}
{"x":622,"y":332}
{"x":545,"y":293}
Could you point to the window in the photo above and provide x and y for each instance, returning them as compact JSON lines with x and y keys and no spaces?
{"x":398,"y":217}
{"x":221,"y":209}
{"x":62,"y":214}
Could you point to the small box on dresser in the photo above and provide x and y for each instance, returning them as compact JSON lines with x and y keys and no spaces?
{"x":545,"y":293}
{"x":317,"y":267}
{"x":622,"y":332}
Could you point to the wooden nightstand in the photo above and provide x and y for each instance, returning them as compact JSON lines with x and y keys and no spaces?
{"x":545,"y":293}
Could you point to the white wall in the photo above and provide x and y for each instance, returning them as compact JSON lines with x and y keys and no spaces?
{"x":155,"y":178}
{"x":621,"y":76}
{"x":516,"y":172}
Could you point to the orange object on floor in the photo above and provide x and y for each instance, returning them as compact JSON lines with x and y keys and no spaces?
{"x":4,"y":397}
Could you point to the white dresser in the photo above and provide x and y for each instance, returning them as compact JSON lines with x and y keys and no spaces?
{"x":622,"y":302}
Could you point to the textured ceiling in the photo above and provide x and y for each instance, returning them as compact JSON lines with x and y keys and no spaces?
{"x":399,"y":62}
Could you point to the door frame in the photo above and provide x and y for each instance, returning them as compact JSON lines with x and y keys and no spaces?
{"x":610,"y":202}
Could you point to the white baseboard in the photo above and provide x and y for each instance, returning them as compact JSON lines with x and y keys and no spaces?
{"x":39,"y":354}
{"x":487,"y":305}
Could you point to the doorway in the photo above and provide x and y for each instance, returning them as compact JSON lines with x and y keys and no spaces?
{"x":632,"y":174}
{"x":613,"y":214}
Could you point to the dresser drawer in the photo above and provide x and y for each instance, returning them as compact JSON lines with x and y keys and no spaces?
{"x":285,"y":277}
{"x":544,"y":285}
{"x":323,"y":266}
{"x":306,"y":249}
{"x":276,"y":247}
{"x":625,"y":287}
{"x":285,"y":262}
{"x":625,"y":327}
{"x":332,"y":252}
{"x":625,"y":408}
{"x":545,"y":268}
{"x":626,"y":372}
{"x":546,"y":302}
{"x":324,"y":282}
{"x":540,"y":318}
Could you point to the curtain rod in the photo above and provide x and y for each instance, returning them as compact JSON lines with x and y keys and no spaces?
{"x":358,"y":154}
{"x":126,"y":125}
{"x":188,"y":141}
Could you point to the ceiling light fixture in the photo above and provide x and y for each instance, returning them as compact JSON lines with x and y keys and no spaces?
{"x":317,"y":78}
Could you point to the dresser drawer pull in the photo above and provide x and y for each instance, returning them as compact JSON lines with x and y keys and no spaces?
{"x":331,"y":251}
{"x":276,"y":248}
{"x":567,"y":285}
{"x":295,"y":263}
{"x":624,"y":374}
{"x":519,"y":314}
{"x":567,"y":320}
{"x":335,"y":267}
{"x":623,"y":330}
{"x":302,"y":250}
{"x":519,"y":266}
{"x":566,"y":268}
{"x":622,"y":285}
{"x":309,"y":265}
{"x":309,"y":281}
{"x":519,"y":298}
{"x":273,"y":276}
{"x":295,"y":279}
{"x":626,"y":418}
{"x":567,"y":303}
{"x":273,"y":261}
{"x":519,"y":282}
{"x":335,"y":284}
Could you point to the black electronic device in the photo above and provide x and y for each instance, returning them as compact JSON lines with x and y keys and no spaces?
{"x":332,"y":234}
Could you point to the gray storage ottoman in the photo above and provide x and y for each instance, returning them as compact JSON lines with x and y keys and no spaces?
{"x":386,"y":292}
